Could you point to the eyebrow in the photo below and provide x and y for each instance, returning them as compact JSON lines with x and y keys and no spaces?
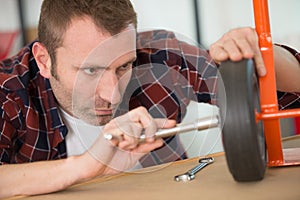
{"x":90,"y":65}
{"x":130,"y":61}
{"x":87,"y":65}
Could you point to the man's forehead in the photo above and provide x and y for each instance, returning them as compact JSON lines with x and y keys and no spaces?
{"x":113,"y":47}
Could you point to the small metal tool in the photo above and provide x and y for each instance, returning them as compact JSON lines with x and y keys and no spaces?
{"x":190,"y":175}
{"x":200,"y":124}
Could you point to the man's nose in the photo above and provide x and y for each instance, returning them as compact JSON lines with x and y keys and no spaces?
{"x":108,"y":87}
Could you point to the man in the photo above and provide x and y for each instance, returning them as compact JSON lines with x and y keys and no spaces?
{"x":72,"y":81}
{"x":59,"y":96}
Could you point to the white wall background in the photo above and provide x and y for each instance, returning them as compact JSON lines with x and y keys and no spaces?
{"x":31,"y":11}
{"x":8,"y":10}
{"x":216,"y":17}
{"x":175,"y":15}
{"x":219,"y":16}
{"x":9,"y":16}
{"x":201,"y":142}
{"x":216,"y":20}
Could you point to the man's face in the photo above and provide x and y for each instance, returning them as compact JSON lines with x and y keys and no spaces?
{"x":93,"y":70}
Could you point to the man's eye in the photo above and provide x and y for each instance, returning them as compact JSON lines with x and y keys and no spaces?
{"x":125,"y":67}
{"x":90,"y":71}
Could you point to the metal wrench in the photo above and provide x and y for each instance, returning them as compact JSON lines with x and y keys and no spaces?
{"x":190,"y":174}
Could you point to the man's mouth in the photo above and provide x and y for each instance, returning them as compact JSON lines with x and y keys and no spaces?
{"x":103,"y":111}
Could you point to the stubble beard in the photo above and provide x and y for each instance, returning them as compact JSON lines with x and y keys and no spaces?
{"x":89,"y":116}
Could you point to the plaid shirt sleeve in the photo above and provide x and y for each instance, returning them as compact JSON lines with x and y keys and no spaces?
{"x":30,"y":128}
{"x":168,"y":74}
{"x":289,"y":100}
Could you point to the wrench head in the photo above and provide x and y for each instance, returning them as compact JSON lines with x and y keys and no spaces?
{"x":184,"y":177}
{"x":207,"y":160}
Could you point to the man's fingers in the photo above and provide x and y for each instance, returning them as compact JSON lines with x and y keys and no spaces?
{"x":260,"y":66}
{"x":148,"y":146}
{"x":252,"y":37}
{"x":238,"y":44}
{"x":233,"y":50}
{"x":126,"y":130}
{"x":129,"y":143}
{"x":158,"y":123}
{"x":259,"y":62}
{"x":165,"y":123}
{"x":218,"y":53}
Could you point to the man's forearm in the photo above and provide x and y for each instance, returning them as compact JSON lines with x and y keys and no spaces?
{"x":287,"y":69}
{"x":46,"y":176}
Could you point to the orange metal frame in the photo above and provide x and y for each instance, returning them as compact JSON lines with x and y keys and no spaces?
{"x":268,"y":96}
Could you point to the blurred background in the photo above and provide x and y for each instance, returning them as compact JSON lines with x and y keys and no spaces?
{"x":196,"y":21}
{"x":202,"y":21}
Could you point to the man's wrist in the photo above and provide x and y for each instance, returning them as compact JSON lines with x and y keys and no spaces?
{"x":85,"y":167}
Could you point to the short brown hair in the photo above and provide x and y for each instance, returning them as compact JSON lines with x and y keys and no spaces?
{"x":56,"y":16}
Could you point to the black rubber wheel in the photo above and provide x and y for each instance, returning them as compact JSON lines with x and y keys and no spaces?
{"x":243,"y":137}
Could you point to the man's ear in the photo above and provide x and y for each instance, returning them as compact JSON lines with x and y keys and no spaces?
{"x":42,"y":59}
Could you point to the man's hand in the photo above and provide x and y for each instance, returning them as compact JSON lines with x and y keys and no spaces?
{"x":124,"y":150}
{"x":238,"y":44}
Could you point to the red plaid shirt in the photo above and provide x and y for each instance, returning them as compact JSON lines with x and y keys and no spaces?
{"x":167,"y":74}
